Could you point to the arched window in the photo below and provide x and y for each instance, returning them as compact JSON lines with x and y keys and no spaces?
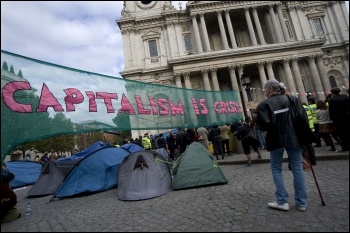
{"x":332,"y":81}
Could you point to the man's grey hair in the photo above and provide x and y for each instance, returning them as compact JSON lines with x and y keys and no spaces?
{"x":274,"y":84}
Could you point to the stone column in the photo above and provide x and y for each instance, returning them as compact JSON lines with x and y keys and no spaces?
{"x":345,"y":13}
{"x":177,"y":77}
{"x":230,"y":29}
{"x":331,"y":31}
{"x":222,"y":30}
{"x":323,"y":75}
{"x":345,"y":59}
{"x":274,"y":22}
{"x":258,"y":26}
{"x":346,"y":63}
{"x":180,"y":40}
{"x":316,"y":78}
{"x":204,"y":30}
{"x":283,"y":25}
{"x":333,"y":23}
{"x":297,"y":11}
{"x":126,"y":48}
{"x":299,"y":82}
{"x":289,"y":75}
{"x":196,"y":34}
{"x":206,"y":79}
{"x":172,"y":38}
{"x":296,"y":23}
{"x":338,"y":23}
{"x":269,"y":70}
{"x":132,"y":48}
{"x":187,"y":80}
{"x":244,"y":93}
{"x":215,"y":79}
{"x":250,"y":26}
{"x":261,"y":68}
{"x":235,"y":87}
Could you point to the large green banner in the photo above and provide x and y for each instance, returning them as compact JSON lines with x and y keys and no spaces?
{"x":40,"y":99}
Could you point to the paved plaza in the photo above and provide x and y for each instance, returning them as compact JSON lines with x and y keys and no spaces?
{"x":240,"y":205}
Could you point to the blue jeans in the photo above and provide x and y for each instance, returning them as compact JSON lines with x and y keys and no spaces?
{"x":261,"y":138}
{"x":294,"y":154}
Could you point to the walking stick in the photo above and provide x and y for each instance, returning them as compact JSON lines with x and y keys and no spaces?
{"x":313,"y":173}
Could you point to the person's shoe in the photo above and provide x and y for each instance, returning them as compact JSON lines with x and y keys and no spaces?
{"x":317,"y":146}
{"x":19,"y":215}
{"x":217,"y":157}
{"x":249,"y":164}
{"x":301,"y":208}
{"x":259,"y":156}
{"x":275,"y":205}
{"x":222,"y":157}
{"x":313,"y":163}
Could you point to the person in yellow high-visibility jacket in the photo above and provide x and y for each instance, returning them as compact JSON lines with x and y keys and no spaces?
{"x":316,"y":125}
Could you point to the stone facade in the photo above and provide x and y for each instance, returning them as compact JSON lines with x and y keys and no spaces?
{"x":210,"y":44}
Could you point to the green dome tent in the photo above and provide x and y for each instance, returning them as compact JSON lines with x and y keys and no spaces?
{"x":195,"y":168}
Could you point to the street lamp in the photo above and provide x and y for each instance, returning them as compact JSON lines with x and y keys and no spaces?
{"x":245,"y":80}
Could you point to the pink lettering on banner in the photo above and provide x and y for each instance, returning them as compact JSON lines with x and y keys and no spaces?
{"x":195,"y":106}
{"x":73,"y":96}
{"x":126,"y":106}
{"x":205,"y":110}
{"x":161,"y":103}
{"x":8,"y":92}
{"x":176,"y":110}
{"x":47,"y":99}
{"x":92,"y":101}
{"x":227,"y":107}
{"x":140,"y":107}
{"x":107,"y":97}
{"x":153,"y":105}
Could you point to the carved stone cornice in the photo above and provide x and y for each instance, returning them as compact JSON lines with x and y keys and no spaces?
{"x":186,"y":75}
{"x":232,"y":68}
{"x":213,"y":70}
{"x":319,"y":57}
{"x":261,"y":64}
{"x":204,"y":72}
{"x":240,"y":67}
{"x":311,"y":58}
{"x":268,"y":63}
{"x":285,"y":61}
{"x":295,"y":60}
{"x":124,"y":31}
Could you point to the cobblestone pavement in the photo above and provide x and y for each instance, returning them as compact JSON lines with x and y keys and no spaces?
{"x":240,"y":205}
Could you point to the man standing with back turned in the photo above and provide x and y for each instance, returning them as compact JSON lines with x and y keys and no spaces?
{"x":339,"y":113}
{"x":274,"y":116}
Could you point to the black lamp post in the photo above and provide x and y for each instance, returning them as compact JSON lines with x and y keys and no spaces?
{"x":245,"y":81}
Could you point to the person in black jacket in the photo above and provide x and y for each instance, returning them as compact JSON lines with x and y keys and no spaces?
{"x":338,"y":107}
{"x":161,"y":141}
{"x":215,"y":138}
{"x":274,"y":116}
{"x":247,"y":135}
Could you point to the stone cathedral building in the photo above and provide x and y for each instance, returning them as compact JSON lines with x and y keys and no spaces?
{"x":210,"y":44}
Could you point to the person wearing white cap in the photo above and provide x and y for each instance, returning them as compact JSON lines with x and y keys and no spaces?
{"x":273,"y":116}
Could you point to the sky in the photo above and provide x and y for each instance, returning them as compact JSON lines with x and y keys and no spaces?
{"x":78,"y":34}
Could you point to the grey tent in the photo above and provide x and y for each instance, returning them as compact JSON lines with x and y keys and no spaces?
{"x":196,"y":167}
{"x":49,"y":180}
{"x":143,"y":175}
